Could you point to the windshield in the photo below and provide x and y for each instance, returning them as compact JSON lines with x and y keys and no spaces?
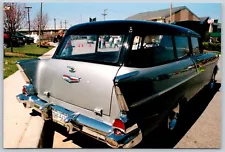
{"x":93,"y":48}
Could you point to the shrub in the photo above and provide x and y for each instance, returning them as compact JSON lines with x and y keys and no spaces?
{"x":44,"y":43}
{"x":211,"y":46}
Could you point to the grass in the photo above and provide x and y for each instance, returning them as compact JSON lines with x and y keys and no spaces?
{"x":21,"y":53}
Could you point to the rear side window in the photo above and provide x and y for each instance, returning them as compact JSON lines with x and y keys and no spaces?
{"x":154,"y":50}
{"x":195,"y":46}
{"x":182,"y":46}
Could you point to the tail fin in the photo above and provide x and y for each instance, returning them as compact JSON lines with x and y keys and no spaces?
{"x":27,"y":69}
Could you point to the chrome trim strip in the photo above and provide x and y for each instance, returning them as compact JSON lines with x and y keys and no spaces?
{"x":120,"y":98}
{"x":195,"y":64}
{"x":27,"y":80}
{"x":124,"y":140}
{"x":124,"y":76}
{"x":138,"y":103}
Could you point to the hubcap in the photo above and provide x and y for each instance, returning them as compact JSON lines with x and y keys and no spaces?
{"x":173,"y":117}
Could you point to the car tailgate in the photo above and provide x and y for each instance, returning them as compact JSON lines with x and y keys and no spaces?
{"x":83,"y":84}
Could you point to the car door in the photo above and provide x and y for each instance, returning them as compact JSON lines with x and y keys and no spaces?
{"x":205,"y":62}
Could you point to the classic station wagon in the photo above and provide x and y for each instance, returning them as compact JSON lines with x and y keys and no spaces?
{"x":130,"y":80}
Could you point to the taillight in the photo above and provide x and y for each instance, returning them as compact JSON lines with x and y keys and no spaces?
{"x":118,"y":126}
{"x":24,"y":90}
{"x":28,"y":89}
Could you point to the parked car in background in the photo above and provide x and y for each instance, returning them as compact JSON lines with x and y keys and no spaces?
{"x":90,"y":41}
{"x":16,"y":40}
{"x":55,"y":40}
{"x":27,"y":39}
{"x":118,"y":95}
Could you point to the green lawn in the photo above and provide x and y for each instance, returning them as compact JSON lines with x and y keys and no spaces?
{"x":20,"y":53}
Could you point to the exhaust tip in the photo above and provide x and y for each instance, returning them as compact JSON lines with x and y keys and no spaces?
{"x":112,"y":142}
{"x":25,"y":105}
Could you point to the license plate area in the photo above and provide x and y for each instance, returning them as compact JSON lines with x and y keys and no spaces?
{"x":59,"y":117}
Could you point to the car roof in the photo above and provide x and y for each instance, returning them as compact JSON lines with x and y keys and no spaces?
{"x":138,"y":27}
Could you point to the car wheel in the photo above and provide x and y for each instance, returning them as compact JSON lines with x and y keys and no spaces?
{"x":213,"y":79}
{"x":173,"y":118}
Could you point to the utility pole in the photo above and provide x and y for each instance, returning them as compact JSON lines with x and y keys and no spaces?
{"x":65,"y":23}
{"x":170,"y":12}
{"x":104,"y":14}
{"x":40,"y":26}
{"x":61,"y":24}
{"x":55,"y":24}
{"x":28,"y":13}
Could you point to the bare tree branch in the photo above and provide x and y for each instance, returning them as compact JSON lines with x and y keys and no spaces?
{"x":36,"y":21}
{"x":14,"y":16}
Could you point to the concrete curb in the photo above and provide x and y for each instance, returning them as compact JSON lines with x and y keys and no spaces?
{"x":21,"y":130}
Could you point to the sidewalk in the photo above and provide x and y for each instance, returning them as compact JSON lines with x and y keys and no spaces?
{"x":21,"y":130}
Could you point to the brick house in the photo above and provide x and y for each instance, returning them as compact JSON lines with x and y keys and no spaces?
{"x":181,"y":13}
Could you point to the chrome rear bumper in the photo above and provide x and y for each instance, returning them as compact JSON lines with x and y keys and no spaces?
{"x":74,"y":121}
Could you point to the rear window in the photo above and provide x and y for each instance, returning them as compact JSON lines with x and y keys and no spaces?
{"x":93,"y":48}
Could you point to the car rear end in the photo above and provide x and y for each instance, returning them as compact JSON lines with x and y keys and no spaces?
{"x":78,"y":89}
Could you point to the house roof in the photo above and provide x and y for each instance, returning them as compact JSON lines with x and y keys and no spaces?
{"x":158,"y":14}
{"x":204,"y":19}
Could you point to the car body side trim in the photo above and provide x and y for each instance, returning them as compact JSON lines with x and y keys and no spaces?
{"x":23,"y":74}
{"x":143,"y":101}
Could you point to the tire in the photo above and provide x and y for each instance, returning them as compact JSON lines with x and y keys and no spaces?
{"x":213,"y":78}
{"x":173,"y":117}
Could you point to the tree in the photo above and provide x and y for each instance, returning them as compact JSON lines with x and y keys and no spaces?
{"x":14,"y":18}
{"x":36,"y":21}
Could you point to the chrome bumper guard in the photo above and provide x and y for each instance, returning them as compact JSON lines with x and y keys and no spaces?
{"x":75,"y":121}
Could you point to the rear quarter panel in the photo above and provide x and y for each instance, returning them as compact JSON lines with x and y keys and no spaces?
{"x":155,"y":90}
